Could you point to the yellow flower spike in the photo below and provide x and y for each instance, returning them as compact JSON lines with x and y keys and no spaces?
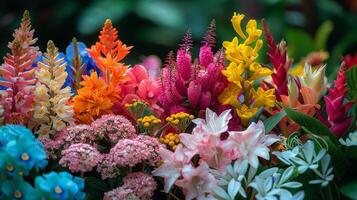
{"x":246,"y":114}
{"x":264,"y":97}
{"x":234,"y":73}
{"x":258,"y":71}
{"x":236,"y":21}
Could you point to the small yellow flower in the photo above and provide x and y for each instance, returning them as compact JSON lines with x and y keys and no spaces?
{"x":234,"y":73}
{"x":229,"y":95}
{"x":253,"y":32}
{"x":264,"y":97}
{"x":171,"y":140}
{"x":236,"y":21}
{"x":246,"y":114}
{"x":258,"y":71}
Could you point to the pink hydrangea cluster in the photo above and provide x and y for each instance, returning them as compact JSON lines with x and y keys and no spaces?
{"x":66,"y":137}
{"x":152,"y":146}
{"x":113,"y":128}
{"x":80,"y":157}
{"x":119,"y":194}
{"x":137,"y":185}
{"x":130,"y":152}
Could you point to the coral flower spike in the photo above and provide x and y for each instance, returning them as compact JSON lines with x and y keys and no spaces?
{"x":109,"y":51}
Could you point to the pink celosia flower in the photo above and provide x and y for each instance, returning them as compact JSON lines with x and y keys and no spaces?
{"x":198,"y":84}
{"x":113,"y":128}
{"x":197,"y":182}
{"x":80,"y":158}
{"x":173,"y":162}
{"x":143,"y":185}
{"x":252,"y":143}
{"x":120,"y":194}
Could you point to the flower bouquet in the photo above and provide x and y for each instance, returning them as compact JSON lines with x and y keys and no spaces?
{"x":82,"y":124}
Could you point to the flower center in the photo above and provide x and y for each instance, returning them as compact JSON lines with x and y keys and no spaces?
{"x":17,"y":194}
{"x":10,"y":167}
{"x":25,"y":156}
{"x":58,"y":190}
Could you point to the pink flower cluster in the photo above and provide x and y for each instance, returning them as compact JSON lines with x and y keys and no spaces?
{"x":136,"y":185}
{"x":80,"y":157}
{"x":67,"y":136}
{"x":130,"y":152}
{"x":113,"y":128}
{"x":199,"y":84}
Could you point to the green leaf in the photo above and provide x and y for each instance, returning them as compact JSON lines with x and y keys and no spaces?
{"x":272,"y":121}
{"x":339,"y":160}
{"x":352,"y":83}
{"x":322,"y":34}
{"x":310,"y":123}
{"x":300,"y":43}
{"x":350,"y":189}
{"x":95,"y":188}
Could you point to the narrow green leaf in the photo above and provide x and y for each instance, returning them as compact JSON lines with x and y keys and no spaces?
{"x":310,"y":123}
{"x":350,"y":189}
{"x":272,"y":121}
{"x":352,"y":83}
{"x":322,"y":34}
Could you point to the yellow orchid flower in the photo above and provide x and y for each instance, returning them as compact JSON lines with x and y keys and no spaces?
{"x":236,"y":21}
{"x":234,"y":73}
{"x":253,"y":32}
{"x":245,"y":113}
{"x":264,"y":97}
{"x":258,"y":71}
{"x":229,"y":95}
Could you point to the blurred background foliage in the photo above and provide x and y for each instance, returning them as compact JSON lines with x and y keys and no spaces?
{"x":157,"y":26}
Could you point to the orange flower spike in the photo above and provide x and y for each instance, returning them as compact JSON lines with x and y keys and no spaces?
{"x":109,"y":51}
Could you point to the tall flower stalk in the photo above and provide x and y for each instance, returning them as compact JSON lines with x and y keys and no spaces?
{"x":18,"y":75}
{"x":52,"y":110}
{"x":243,"y":70}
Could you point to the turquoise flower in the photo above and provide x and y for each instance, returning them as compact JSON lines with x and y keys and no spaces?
{"x":27,"y":153}
{"x":17,"y":188}
{"x":9,"y":166}
{"x":13,"y":132}
{"x":60,"y":186}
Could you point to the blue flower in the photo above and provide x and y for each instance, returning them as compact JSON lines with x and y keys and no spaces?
{"x":9,"y":166}
{"x":61,"y":186}
{"x":13,"y":132}
{"x":27,"y":153}
{"x":17,"y":188}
